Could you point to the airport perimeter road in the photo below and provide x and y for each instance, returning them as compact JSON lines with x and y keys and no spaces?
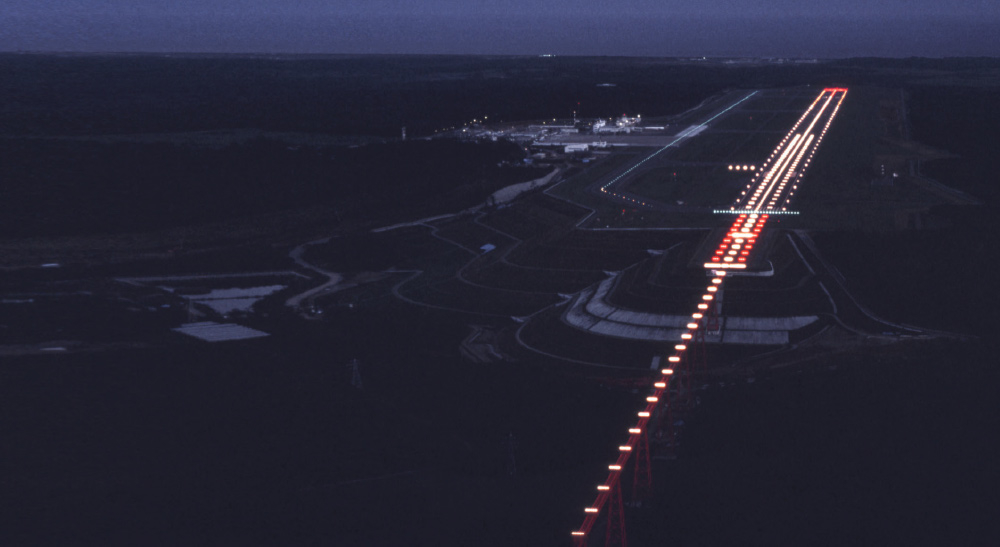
{"x":847,"y":310}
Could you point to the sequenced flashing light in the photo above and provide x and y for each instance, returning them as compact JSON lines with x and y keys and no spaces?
{"x":730,"y":266}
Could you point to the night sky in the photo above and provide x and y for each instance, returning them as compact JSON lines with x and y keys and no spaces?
{"x":775,"y":28}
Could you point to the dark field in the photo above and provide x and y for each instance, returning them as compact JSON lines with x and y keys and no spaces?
{"x":139,"y":436}
{"x":266,"y":442}
{"x":867,"y":450}
{"x":70,"y":187}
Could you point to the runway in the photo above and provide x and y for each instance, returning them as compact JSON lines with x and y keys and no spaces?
{"x":771,"y":189}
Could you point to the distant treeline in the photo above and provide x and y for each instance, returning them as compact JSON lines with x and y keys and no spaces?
{"x":377,"y":95}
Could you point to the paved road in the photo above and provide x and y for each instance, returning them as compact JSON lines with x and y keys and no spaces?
{"x":333,"y":278}
{"x":844,"y":306}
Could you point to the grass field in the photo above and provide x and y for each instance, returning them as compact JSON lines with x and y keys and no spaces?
{"x":699,"y":186}
{"x":576,"y":187}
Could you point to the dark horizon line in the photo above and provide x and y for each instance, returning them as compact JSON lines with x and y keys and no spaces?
{"x":485,"y":55}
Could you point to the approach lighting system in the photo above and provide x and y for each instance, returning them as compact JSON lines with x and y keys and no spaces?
{"x":772,"y":185}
